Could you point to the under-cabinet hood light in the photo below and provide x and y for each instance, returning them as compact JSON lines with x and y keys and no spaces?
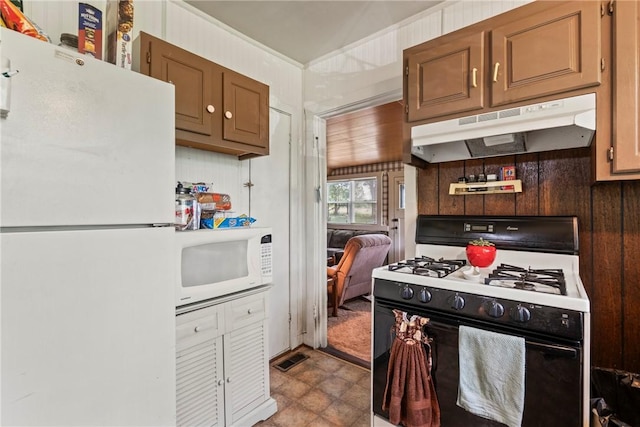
{"x":546,"y":126}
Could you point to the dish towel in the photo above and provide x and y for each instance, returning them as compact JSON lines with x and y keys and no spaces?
{"x":491,"y":383}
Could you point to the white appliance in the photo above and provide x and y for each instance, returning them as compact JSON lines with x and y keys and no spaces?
{"x":545,"y":126}
{"x":200,"y":275}
{"x":86,"y":221}
{"x":531,"y":290}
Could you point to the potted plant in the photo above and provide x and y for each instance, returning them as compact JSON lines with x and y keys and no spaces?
{"x":481,"y":253}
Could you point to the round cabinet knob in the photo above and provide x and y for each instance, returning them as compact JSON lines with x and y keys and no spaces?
{"x":457,"y":302}
{"x":494,"y":309}
{"x":228,"y":380}
{"x":250,"y":311}
{"x":228,"y":114}
{"x":424,"y":295}
{"x":197,"y":329}
{"x":211,"y":108}
{"x":520,"y":314}
{"x":220,"y":381}
{"x":406,"y":292}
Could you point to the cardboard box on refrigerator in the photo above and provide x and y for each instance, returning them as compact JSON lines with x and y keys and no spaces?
{"x":119,"y":30}
{"x":89,"y":30}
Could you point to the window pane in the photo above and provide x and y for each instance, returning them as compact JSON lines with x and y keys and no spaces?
{"x":338,"y":213}
{"x":365,"y":213}
{"x":352,"y":201}
{"x":364,"y":190}
{"x":339,"y":191}
{"x":401,"y":195}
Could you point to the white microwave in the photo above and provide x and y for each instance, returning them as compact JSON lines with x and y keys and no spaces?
{"x":214,"y":263}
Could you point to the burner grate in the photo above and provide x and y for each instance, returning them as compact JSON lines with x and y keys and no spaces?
{"x":426,"y":266}
{"x":543,"y":280}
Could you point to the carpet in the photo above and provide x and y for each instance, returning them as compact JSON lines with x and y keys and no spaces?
{"x":350,"y":333}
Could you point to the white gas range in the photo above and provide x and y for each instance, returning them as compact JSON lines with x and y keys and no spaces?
{"x":532,"y":290}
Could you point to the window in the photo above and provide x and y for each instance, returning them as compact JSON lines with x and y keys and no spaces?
{"x":353,"y":200}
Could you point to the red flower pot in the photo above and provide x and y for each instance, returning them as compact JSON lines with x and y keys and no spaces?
{"x":481,"y":256}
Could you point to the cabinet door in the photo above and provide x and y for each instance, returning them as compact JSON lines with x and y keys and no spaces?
{"x":446,"y":78}
{"x":199,"y":368}
{"x":246,"y":371}
{"x":246,"y":110}
{"x":550,"y":52}
{"x":626,"y":87}
{"x":193,"y":79}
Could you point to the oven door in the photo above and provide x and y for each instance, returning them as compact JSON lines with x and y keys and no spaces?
{"x":553,"y":375}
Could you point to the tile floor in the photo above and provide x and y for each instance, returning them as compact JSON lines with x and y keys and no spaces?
{"x":320,"y":391}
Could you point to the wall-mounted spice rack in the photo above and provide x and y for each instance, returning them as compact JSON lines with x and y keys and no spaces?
{"x":489,"y":187}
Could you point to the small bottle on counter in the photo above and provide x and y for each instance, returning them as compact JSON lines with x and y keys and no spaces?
{"x":185,"y":208}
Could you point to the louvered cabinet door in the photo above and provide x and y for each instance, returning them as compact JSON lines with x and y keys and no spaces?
{"x":246,"y":371}
{"x":199,"y":368}
{"x":200,"y":385}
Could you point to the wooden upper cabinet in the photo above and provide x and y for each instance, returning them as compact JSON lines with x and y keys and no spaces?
{"x":446,"y":77}
{"x":193,"y":80}
{"x":624,"y":153}
{"x":246,"y":105}
{"x":534,"y":51}
{"x":217,"y":109}
{"x":554,"y":51}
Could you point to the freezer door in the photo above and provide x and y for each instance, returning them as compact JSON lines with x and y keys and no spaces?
{"x":88,"y":328}
{"x":84,"y":142}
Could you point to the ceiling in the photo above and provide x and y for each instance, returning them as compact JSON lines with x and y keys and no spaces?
{"x":306,"y":30}
{"x":368,"y":136}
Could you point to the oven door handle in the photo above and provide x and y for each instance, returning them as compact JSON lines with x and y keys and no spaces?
{"x":547,"y":349}
{"x":553,"y":350}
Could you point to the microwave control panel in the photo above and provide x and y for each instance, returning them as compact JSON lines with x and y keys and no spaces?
{"x":266,"y":257}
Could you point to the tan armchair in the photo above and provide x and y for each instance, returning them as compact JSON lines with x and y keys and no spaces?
{"x":351,"y":277}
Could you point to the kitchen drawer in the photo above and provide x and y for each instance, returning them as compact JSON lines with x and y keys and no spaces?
{"x":245,"y":311}
{"x":198,"y":326}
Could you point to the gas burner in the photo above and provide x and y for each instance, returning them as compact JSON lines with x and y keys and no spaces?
{"x":426,"y":266}
{"x":549,"y":280}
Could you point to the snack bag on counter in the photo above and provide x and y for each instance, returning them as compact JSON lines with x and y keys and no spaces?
{"x":240,"y":221}
{"x":214,"y":201}
{"x":212,"y":205}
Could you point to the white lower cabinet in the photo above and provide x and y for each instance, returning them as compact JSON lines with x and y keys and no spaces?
{"x":222,"y":363}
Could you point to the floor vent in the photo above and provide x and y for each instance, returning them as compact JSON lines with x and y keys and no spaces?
{"x":291,"y":361}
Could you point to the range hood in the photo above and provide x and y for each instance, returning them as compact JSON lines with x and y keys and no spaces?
{"x":552,"y":125}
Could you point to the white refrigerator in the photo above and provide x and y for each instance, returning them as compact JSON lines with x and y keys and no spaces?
{"x":86,"y":228}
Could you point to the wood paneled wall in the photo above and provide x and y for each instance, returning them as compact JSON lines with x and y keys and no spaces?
{"x":559,"y":183}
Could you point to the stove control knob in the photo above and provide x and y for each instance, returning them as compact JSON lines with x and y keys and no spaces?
{"x":424,"y":295}
{"x":494,"y":309}
{"x":520,"y":314}
{"x":406,"y":292}
{"x":457,"y":302}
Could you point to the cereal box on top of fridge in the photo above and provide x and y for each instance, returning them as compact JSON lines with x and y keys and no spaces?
{"x":119,"y":29}
{"x":89,"y":30}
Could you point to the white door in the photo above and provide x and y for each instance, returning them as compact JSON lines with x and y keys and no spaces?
{"x":269,"y":204}
{"x":396,"y":215}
